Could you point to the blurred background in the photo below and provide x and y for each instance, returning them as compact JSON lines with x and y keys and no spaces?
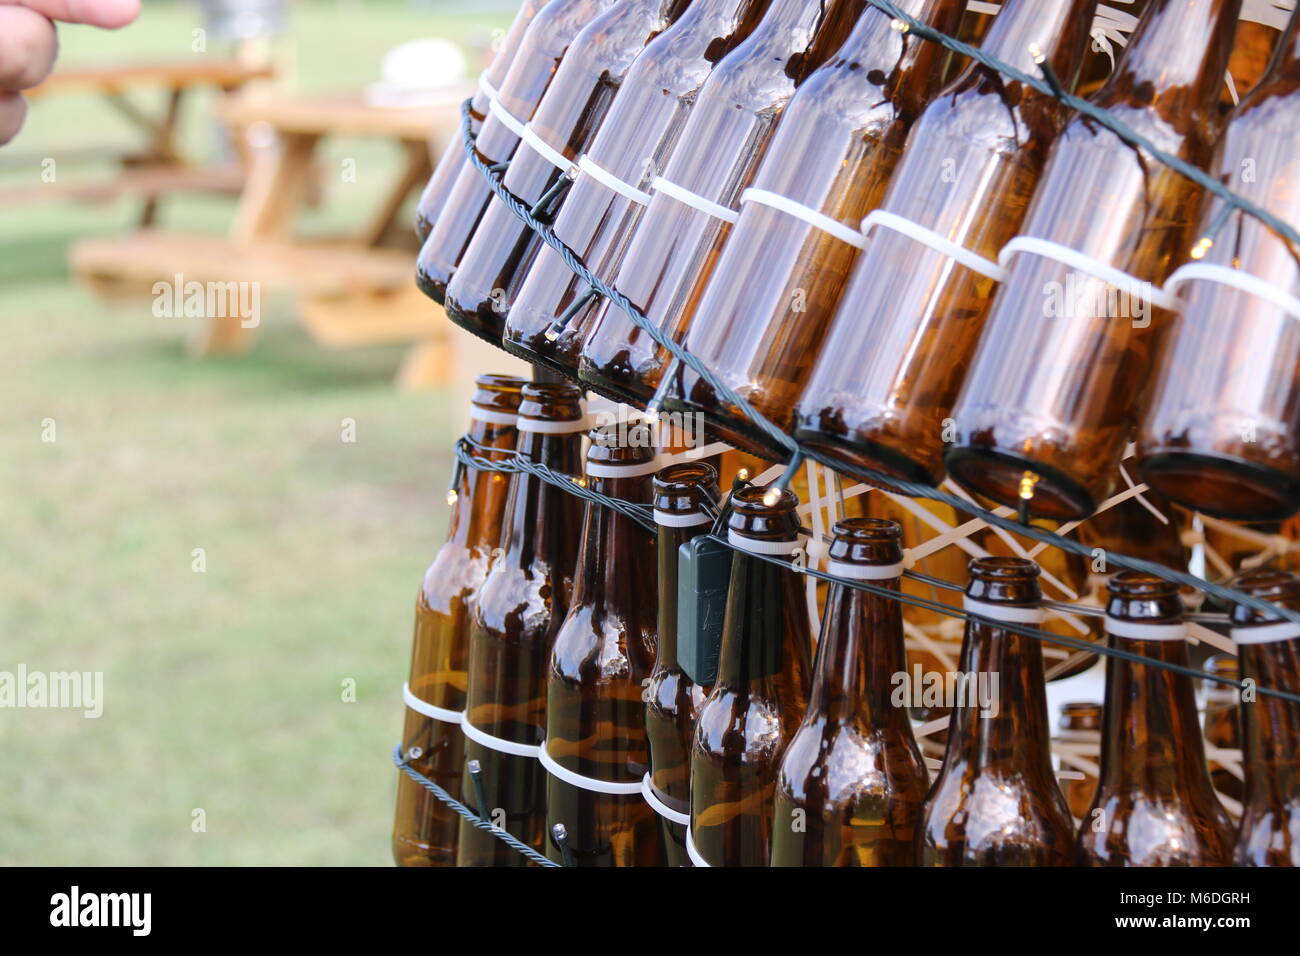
{"x":232,"y":532}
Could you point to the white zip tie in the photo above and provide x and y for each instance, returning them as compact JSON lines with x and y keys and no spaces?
{"x":1237,"y":279}
{"x":506,"y":118}
{"x":430,"y":710}
{"x":552,"y":427}
{"x":1010,"y":613}
{"x":545,"y":150}
{"x":1137,"y":631}
{"x":608,"y":469}
{"x":670,"y":519}
{"x":493,"y":416}
{"x":864,"y":572}
{"x":659,"y":807}
{"x":590,"y":784}
{"x":753,"y":546}
{"x":497,"y":743}
{"x":694,"y":200}
{"x":1266,"y":633}
{"x":612,"y":182}
{"x":693,"y":853}
{"x":814,"y":218}
{"x":914,"y":230}
{"x":1075,"y":259}
{"x":490,"y":91}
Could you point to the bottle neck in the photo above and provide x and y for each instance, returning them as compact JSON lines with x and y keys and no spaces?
{"x":475,"y":513}
{"x":858,"y":657}
{"x":668,"y":544}
{"x":1271,"y":725}
{"x":611,"y":540}
{"x":537,"y":510}
{"x":765,"y":633}
{"x":1059,"y":28}
{"x":1151,"y":736}
{"x":805,"y":32}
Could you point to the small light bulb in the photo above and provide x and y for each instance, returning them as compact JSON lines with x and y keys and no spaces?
{"x":1027,"y":482}
{"x":772,"y":496}
{"x":899,"y":25}
{"x":1037,"y":53}
{"x":1202,"y":246}
{"x":452,"y":495}
{"x":552,"y":334}
{"x":580,"y":482}
{"x":743,"y":474}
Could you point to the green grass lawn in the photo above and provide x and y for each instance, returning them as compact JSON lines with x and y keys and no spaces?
{"x":223,"y":689}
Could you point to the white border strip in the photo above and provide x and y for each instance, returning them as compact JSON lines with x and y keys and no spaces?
{"x":1137,"y":631}
{"x":606,"y":469}
{"x":1094,"y":267}
{"x":782,"y":548}
{"x":1251,"y":284}
{"x":545,"y":150}
{"x":612,"y":182}
{"x":496,"y":743}
{"x":693,"y":853}
{"x":695,"y":200}
{"x":669,"y":519}
{"x":493,"y":416}
{"x":1010,"y":613}
{"x":864,"y":572}
{"x":1266,"y":633}
{"x":430,"y":710}
{"x":914,"y":230}
{"x":552,"y":427}
{"x":584,"y":783}
{"x":659,"y":807}
{"x":490,"y":91}
{"x":814,"y":218}
{"x":507,"y":118}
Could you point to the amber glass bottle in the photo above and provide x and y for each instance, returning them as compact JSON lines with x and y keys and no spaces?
{"x":763,"y":312}
{"x":672,"y":699}
{"x":503,"y":247}
{"x":611,"y":190}
{"x":882,"y":386}
{"x":695,"y":197}
{"x":1223,"y":722}
{"x":762,"y":689}
{"x":1053,"y":391}
{"x":1080,"y":728}
{"x":1270,"y":657}
{"x":595,"y":751}
{"x":453,"y":159}
{"x":530,"y":76}
{"x":996,"y":801}
{"x":852,"y":782}
{"x":424,"y":831}
{"x":1220,"y":434}
{"x":1155,"y":805}
{"x":516,"y":615}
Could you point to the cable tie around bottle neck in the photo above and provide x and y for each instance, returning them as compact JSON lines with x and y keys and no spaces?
{"x":493,"y":416}
{"x":552,"y":427}
{"x":1266,"y":633}
{"x":678,"y":519}
{"x":590,"y":784}
{"x":928,"y":237}
{"x":776,"y":548}
{"x":864,"y":572}
{"x":1237,"y":279}
{"x":1141,"y":631}
{"x":490,"y":91}
{"x":657,"y":804}
{"x":497,"y":743}
{"x":610,"y":469}
{"x":545,"y":150}
{"x":1124,"y":281}
{"x":506,"y":118}
{"x":814,"y":218}
{"x":693,"y":199}
{"x":1011,"y":613}
{"x":612,"y":182}
{"x":696,"y":857}
{"x":430,"y":710}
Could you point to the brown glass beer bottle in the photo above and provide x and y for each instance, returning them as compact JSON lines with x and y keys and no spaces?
{"x":424,"y":831}
{"x":852,"y":782}
{"x":452,"y":161}
{"x":1080,"y":730}
{"x":550,"y":316}
{"x":996,"y":801}
{"x":694,"y":198}
{"x":1053,"y":391}
{"x":595,"y":752}
{"x":518,"y":610}
{"x":1220,"y":433}
{"x":530,"y":76}
{"x":762,"y":314}
{"x":880,"y":391}
{"x":1222,"y":724}
{"x":1270,"y":657}
{"x":1155,"y":805}
{"x":761,"y":692}
{"x":503,"y":247}
{"x":672,"y":699}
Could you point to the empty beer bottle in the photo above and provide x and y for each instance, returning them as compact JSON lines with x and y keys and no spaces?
{"x":1053,"y":391}
{"x":880,"y":391}
{"x":852,"y":782}
{"x":672,"y":700}
{"x":996,"y":801}
{"x":1154,"y":804}
{"x":761,"y":692}
{"x":762,"y":314}
{"x":1220,"y":434}
{"x":552,"y":313}
{"x":503,"y":247}
{"x":530,"y":76}
{"x":453,"y":159}
{"x":424,"y":831}
{"x":1270,"y":657}
{"x":1222,"y":722}
{"x":518,"y":610}
{"x":1080,"y":735}
{"x":694,"y":199}
{"x":595,"y":751}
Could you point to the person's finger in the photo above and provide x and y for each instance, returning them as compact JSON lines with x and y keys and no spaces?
{"x":28,"y":45}
{"x":110,"y":14}
{"x":13,"y":109}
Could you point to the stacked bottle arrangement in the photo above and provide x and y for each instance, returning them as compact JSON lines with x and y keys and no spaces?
{"x":616,"y":695}
{"x":916,"y":267}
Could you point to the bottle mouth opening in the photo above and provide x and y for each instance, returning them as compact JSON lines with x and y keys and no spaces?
{"x":851,"y":530}
{"x":552,"y":392}
{"x":617,"y":445}
{"x":1266,"y":583}
{"x":685,"y":486}
{"x":753,"y":500}
{"x":1223,"y":665}
{"x":1003,"y":568}
{"x":1140,"y":584}
{"x":492,"y":382}
{"x":1081,"y":707}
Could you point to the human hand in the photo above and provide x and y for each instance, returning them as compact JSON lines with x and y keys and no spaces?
{"x":28,"y":45}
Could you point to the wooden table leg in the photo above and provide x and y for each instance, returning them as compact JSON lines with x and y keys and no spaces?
{"x":415,"y":174}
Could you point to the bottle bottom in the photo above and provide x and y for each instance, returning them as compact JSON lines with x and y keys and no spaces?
{"x":432,"y":284}
{"x":1222,"y":486}
{"x":423,"y":226}
{"x":616,"y":384}
{"x":998,"y":474}
{"x":482,"y":320}
{"x":528,"y":349}
{"x":856,"y":454}
{"x":725,"y":422}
